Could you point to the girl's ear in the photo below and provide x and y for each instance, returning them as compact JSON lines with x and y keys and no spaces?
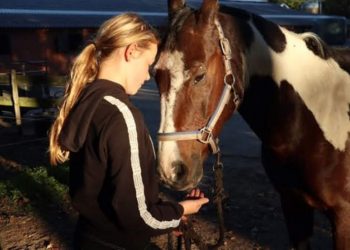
{"x":131,"y":52}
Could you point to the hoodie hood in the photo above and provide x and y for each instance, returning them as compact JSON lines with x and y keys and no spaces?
{"x":76,"y":125}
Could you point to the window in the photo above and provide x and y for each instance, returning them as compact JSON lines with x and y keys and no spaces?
{"x":298,"y":28}
{"x":68,"y":41}
{"x":5,"y":44}
{"x":75,"y":41}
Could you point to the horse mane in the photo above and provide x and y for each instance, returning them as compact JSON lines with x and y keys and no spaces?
{"x":179,"y":18}
{"x":340,"y":54}
{"x":316,"y":44}
{"x":237,"y":12}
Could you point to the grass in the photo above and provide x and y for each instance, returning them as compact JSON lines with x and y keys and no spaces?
{"x":40,"y":194}
{"x":39,"y":186}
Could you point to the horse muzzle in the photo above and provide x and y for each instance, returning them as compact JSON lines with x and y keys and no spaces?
{"x":181,"y":177}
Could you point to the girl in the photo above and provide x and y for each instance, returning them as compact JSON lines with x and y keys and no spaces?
{"x":113,"y":182}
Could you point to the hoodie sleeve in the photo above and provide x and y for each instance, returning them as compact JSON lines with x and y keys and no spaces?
{"x":135,"y":199}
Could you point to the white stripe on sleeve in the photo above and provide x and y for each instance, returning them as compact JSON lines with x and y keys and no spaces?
{"x":136,"y":168}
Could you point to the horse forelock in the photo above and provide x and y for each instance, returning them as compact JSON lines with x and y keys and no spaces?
{"x":176,"y":25}
{"x":169,"y":46}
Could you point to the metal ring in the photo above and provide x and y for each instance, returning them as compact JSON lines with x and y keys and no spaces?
{"x":226,"y":78}
{"x":208,"y":136}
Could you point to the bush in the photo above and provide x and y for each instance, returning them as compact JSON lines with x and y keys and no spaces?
{"x":41,"y":186}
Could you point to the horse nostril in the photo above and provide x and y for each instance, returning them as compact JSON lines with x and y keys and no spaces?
{"x":179,"y":170}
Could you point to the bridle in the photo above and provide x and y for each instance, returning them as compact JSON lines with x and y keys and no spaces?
{"x":205,"y":134}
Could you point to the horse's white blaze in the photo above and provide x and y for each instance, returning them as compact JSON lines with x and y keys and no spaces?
{"x":322,"y":84}
{"x":168,"y":150}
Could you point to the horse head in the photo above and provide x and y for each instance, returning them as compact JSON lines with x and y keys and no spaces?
{"x":193,"y":70}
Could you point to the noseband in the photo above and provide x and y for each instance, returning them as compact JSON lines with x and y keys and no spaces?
{"x":205,"y":134}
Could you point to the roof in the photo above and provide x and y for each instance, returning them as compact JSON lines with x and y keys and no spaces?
{"x":91,"y":13}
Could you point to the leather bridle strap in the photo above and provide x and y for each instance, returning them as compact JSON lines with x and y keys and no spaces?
{"x":205,"y":134}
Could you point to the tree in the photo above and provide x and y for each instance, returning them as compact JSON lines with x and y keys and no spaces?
{"x":329,"y":7}
{"x":294,"y":4}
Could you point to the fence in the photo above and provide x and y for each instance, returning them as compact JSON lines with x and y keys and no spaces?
{"x":28,"y":91}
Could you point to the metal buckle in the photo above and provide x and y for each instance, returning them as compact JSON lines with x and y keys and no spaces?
{"x":225,"y":47}
{"x":206,"y":135}
{"x":217,"y":166}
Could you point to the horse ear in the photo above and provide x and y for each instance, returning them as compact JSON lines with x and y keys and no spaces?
{"x":174,"y":6}
{"x":209,"y":10}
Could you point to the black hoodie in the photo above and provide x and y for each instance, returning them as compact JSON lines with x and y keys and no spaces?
{"x":113,"y":181}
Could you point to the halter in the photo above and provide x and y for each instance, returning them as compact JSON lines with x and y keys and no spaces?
{"x":205,"y":134}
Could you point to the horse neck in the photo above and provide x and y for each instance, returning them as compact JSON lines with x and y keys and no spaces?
{"x":257,"y":65}
{"x":287,"y":83}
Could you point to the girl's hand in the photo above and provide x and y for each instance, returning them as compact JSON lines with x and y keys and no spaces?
{"x":195,"y":200}
{"x":195,"y":194}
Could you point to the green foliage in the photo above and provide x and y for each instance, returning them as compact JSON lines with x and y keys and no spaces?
{"x":3,"y":189}
{"x":294,"y":4}
{"x":337,"y":7}
{"x":41,"y":186}
{"x":330,"y":7}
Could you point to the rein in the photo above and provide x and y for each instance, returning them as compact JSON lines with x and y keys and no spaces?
{"x":189,"y":234}
{"x":205,"y":135}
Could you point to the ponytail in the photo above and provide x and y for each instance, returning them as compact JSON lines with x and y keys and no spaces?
{"x":84,"y":71}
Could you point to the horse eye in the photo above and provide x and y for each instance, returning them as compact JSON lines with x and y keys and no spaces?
{"x":199,"y":78}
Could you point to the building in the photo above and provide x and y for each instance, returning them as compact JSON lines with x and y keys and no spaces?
{"x":41,"y":34}
{"x":46,"y":35}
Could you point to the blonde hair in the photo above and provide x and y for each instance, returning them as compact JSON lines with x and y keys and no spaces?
{"x":117,"y":32}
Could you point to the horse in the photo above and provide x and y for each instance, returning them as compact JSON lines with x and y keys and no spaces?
{"x":293,"y":90}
